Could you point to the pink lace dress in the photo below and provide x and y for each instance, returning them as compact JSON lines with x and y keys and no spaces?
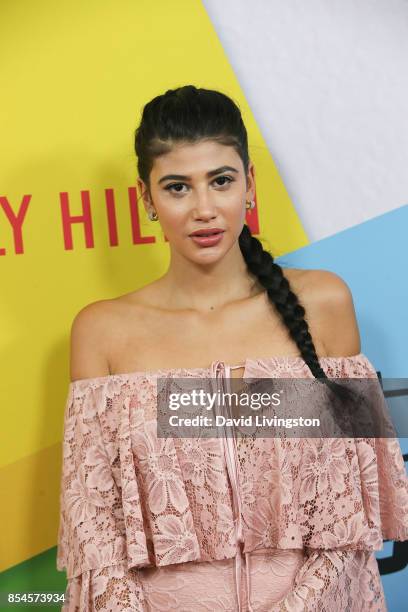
{"x":195,"y":524}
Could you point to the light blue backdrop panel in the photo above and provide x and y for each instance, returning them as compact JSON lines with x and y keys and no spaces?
{"x":372,"y":258}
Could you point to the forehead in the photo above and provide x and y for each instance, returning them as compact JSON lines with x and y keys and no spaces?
{"x":197,"y":158}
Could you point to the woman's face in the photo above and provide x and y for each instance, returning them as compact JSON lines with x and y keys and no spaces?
{"x":199,"y":186}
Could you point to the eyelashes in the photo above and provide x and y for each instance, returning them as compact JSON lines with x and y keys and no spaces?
{"x":171,"y":187}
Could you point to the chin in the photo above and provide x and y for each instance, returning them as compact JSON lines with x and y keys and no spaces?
{"x":207,"y":255}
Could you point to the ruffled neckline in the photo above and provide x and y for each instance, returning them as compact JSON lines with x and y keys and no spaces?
{"x":249,"y":364}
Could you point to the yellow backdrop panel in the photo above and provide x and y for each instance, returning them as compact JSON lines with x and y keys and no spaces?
{"x":75,"y":77}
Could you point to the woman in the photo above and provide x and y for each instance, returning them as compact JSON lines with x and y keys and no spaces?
{"x":187,"y":524}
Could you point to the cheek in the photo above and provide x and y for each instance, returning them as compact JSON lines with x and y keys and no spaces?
{"x":172,"y":220}
{"x":235,"y":215}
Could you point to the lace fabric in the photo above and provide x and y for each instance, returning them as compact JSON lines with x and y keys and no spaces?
{"x":142,"y":516}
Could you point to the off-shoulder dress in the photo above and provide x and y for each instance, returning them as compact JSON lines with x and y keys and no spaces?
{"x":195,"y":524}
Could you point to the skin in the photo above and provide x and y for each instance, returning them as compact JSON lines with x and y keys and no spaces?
{"x":206,"y":306}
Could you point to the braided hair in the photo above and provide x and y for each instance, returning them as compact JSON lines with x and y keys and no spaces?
{"x":270,"y":275}
{"x":190,"y":114}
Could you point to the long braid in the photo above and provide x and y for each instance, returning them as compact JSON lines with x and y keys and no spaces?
{"x":262,"y":265}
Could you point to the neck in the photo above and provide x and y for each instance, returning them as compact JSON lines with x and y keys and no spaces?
{"x":207,"y":288}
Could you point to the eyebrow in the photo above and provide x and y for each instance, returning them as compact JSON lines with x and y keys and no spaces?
{"x":183,"y":177}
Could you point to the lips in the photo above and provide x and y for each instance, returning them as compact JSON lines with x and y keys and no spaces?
{"x":207,"y":232}
{"x":205,"y":238}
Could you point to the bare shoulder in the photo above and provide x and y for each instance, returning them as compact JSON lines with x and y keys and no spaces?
{"x":100,"y":330}
{"x":89,"y":340}
{"x":318,"y":285}
{"x":329,"y":306}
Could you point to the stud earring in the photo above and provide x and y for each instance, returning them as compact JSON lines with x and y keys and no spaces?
{"x":250,"y":205}
{"x":153,"y":216}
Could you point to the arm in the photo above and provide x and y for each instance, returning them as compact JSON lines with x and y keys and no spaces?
{"x":97,"y":574}
{"x":333,"y":580}
{"x":334,"y":314}
{"x":89,"y":343}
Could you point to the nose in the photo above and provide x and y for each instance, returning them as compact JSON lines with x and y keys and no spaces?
{"x":204,"y":206}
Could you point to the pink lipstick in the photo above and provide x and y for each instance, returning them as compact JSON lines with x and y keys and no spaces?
{"x":207,"y":237}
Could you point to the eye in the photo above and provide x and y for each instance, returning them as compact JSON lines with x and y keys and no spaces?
{"x":224,"y":176}
{"x":177,"y":187}
{"x":173,"y":186}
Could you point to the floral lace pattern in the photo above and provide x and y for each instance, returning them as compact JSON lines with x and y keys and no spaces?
{"x":142,"y":516}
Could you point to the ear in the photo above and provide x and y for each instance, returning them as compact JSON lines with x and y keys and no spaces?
{"x":142,"y":188}
{"x":251,"y":189}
